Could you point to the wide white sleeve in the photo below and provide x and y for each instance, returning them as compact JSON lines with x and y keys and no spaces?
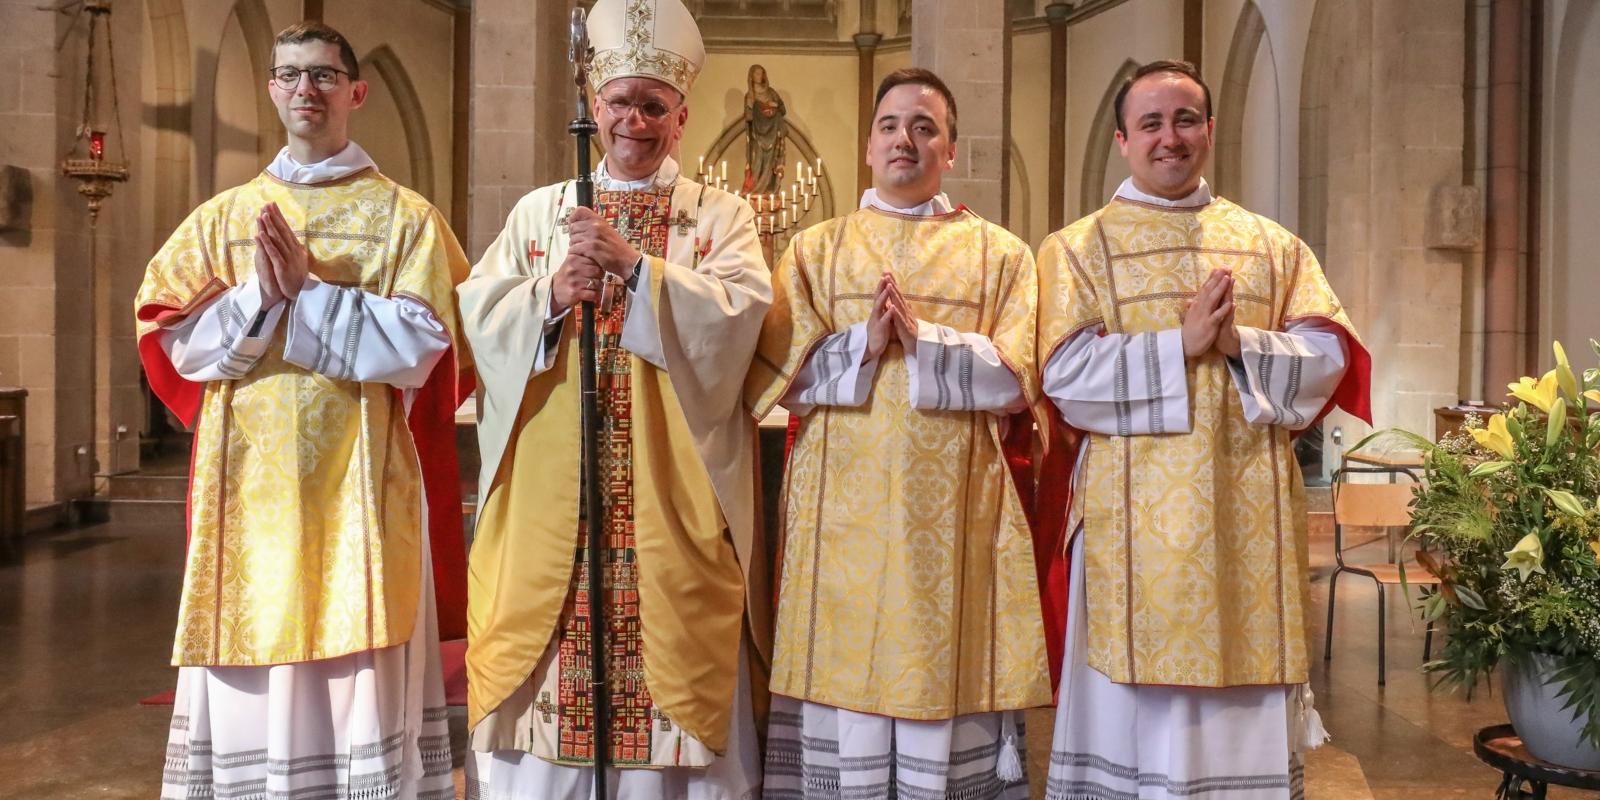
{"x":1121,"y":384}
{"x":833,"y":375}
{"x":1287,"y":377}
{"x":956,"y":371}
{"x":641,"y":335}
{"x":226,"y":338}
{"x":350,"y":334}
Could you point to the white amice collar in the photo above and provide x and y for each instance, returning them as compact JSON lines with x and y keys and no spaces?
{"x":350,"y":160}
{"x":1199,"y":197}
{"x":936,"y":205}
{"x":664,"y":177}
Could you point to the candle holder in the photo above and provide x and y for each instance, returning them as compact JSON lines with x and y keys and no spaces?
{"x":777,"y":213}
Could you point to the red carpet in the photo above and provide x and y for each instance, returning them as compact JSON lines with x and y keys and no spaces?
{"x":452,"y":659}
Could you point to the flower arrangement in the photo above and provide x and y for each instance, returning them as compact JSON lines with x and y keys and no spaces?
{"x":1509,"y":516}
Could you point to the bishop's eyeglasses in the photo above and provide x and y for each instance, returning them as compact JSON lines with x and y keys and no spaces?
{"x":324,"y":78}
{"x":652,"y":110}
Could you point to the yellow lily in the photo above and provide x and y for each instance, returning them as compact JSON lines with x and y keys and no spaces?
{"x":1527,"y":557}
{"x":1595,"y":546}
{"x":1541,"y":394}
{"x":1593,"y":394}
{"x":1494,"y":437}
{"x":1564,"y":375}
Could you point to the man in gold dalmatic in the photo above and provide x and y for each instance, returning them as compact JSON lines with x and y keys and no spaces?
{"x":908,"y":632}
{"x":1188,"y":339}
{"x":677,"y":272}
{"x":303,"y":324}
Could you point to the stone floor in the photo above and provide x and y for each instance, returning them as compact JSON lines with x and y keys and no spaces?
{"x":86,"y":620}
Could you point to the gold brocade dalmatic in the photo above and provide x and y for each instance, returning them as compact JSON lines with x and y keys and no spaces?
{"x":305,"y":518}
{"x":1194,"y":543}
{"x":908,"y":584}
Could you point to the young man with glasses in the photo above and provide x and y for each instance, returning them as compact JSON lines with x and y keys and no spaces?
{"x":676,"y":272}
{"x":303,"y":324}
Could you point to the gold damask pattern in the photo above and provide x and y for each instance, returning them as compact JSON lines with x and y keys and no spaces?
{"x":908,"y":584}
{"x":305,"y":494}
{"x":1195,"y":543}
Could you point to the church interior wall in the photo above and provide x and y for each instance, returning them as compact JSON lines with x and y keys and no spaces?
{"x":1572,"y":195}
{"x":28,"y":112}
{"x":1097,"y":49}
{"x":417,"y":37}
{"x":1031,"y":127}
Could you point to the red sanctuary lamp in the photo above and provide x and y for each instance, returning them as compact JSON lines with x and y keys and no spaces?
{"x":87,"y":162}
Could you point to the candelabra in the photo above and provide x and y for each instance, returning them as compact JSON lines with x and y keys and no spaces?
{"x":779,"y":212}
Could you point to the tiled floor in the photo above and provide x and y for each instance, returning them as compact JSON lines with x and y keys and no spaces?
{"x":86,"y":622}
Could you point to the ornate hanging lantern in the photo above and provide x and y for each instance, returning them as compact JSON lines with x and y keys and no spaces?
{"x":96,"y":174}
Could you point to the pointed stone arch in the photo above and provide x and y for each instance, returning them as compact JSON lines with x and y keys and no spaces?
{"x":1315,"y":78}
{"x":1091,"y":187}
{"x":1248,"y":35}
{"x":170,"y":110}
{"x":413,"y":122}
{"x":255,"y":31}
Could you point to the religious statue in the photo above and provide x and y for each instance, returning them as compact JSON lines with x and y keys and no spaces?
{"x":766,"y":130}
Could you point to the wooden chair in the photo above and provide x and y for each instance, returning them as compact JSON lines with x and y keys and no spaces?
{"x":1378,"y":505}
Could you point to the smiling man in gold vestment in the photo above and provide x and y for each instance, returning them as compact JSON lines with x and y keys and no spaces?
{"x":675,"y":269}
{"x":1188,"y":338}
{"x":303,"y":323}
{"x":908,"y":629}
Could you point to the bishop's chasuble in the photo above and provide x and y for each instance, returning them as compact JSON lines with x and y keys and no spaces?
{"x":678,"y":455}
{"x":1194,"y":527}
{"x":908,"y":584}
{"x":306,"y":490}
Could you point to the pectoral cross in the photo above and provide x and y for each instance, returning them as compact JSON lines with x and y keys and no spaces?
{"x":666,"y":724}
{"x":684,"y":223}
{"x":544,"y":706}
{"x":564,"y":220}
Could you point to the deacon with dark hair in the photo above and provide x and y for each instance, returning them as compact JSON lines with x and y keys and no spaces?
{"x":908,"y":633}
{"x":1187,"y":339}
{"x":303,"y":324}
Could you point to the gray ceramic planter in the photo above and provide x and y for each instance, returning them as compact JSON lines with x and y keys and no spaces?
{"x":1548,"y":730}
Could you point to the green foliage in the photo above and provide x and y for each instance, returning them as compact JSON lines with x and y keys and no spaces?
{"x":1475,"y":513}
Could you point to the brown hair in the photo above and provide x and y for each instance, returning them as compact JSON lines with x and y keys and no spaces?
{"x":313,"y":31}
{"x":1183,"y":68}
{"x":918,"y":76}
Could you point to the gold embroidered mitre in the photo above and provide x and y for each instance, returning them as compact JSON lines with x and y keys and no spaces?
{"x":645,"y":39}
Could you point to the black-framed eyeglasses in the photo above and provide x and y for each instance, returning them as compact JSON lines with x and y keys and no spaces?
{"x":649,"y":109}
{"x":323,"y":78}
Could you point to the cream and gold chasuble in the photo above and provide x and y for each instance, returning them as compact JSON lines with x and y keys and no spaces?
{"x":305,"y":502}
{"x":907,"y":582}
{"x":1195,"y":543}
{"x":686,"y":575}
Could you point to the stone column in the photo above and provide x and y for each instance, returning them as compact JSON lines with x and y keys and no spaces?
{"x":1505,"y":246}
{"x":866,"y":50}
{"x":1396,"y":144}
{"x":522,"y":99}
{"x":1057,"y":13}
{"x":964,"y":43}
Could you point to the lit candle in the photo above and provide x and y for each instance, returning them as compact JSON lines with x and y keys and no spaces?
{"x":785,"y":218}
{"x":808,"y":202}
{"x":702,"y":166}
{"x":724,"y":171}
{"x":819,"y":165}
